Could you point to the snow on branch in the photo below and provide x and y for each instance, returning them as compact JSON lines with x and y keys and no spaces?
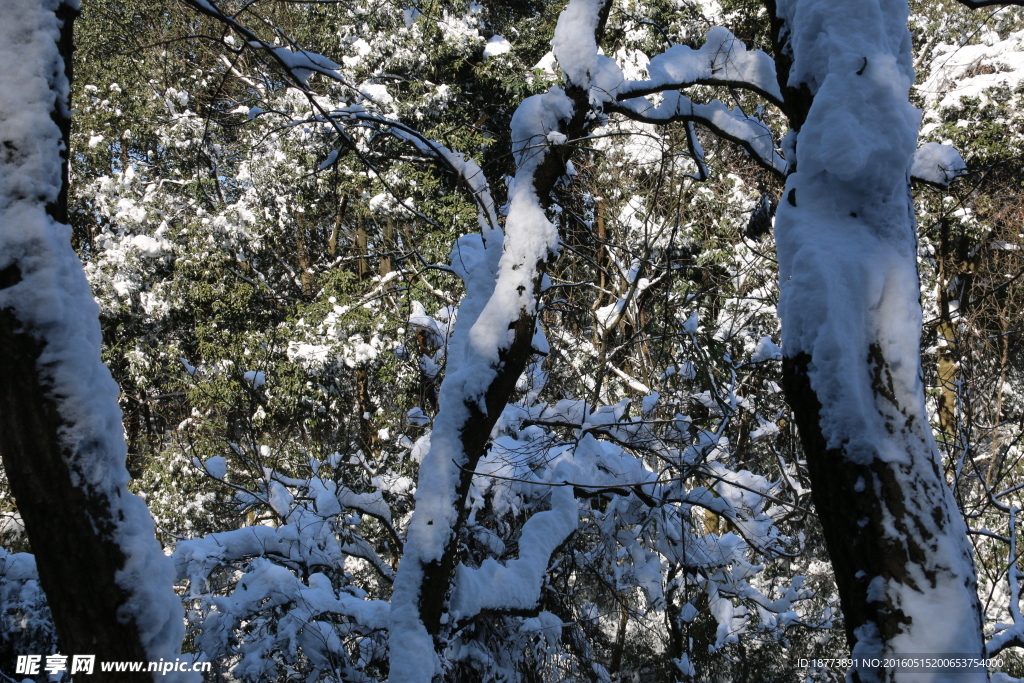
{"x":280,"y":611}
{"x":937,"y":164}
{"x":732,"y":124}
{"x":697,"y":152}
{"x":516,"y":585}
{"x":299,"y":64}
{"x":721,"y":60}
{"x":1011,"y":635}
{"x":302,"y":63}
{"x":464,"y":168}
{"x":575,"y":40}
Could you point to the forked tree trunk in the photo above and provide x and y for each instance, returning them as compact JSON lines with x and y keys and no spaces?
{"x":107,"y":582}
{"x":851,"y":323}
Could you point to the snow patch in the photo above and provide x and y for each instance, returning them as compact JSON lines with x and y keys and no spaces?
{"x":495,"y":46}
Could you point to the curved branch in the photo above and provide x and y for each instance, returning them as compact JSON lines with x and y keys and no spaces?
{"x":747,"y":132}
{"x":722,"y":60}
{"x":633,"y":89}
{"x":978,"y":4}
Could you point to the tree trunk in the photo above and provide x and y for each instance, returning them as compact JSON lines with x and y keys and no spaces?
{"x":59,"y":517}
{"x":302,"y":254}
{"x":362,"y":251}
{"x":107,"y":582}
{"x":387,"y":246}
{"x":948,"y":370}
{"x":851,"y":323}
{"x":490,"y":347}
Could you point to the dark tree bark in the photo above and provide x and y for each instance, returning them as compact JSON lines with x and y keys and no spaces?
{"x":68,"y":527}
{"x":893,"y":532}
{"x":73,"y":508}
{"x":476,"y":430}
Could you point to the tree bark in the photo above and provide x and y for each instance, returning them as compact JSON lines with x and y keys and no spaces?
{"x":851,"y":323}
{"x":480,"y":380}
{"x":68,"y":526}
{"x":107,"y":583}
{"x":387,"y":246}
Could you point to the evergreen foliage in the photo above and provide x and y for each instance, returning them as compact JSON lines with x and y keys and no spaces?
{"x":278,"y":286}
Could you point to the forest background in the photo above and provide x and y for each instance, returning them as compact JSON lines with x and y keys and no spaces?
{"x":276,"y":302}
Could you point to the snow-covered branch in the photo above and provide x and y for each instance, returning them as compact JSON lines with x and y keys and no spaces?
{"x":516,"y":584}
{"x":722,"y":60}
{"x":937,"y":165}
{"x":1012,"y":634}
{"x":732,"y":124}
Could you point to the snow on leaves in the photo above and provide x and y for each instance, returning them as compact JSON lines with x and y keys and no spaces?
{"x":638,"y":484}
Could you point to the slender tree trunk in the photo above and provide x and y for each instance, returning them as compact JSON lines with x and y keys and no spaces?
{"x":366,"y":409}
{"x":332,"y":241}
{"x":302,"y":254}
{"x":615,"y":668}
{"x":491,"y":345}
{"x":107,"y":582}
{"x":945,"y":331}
{"x":851,"y":323}
{"x":387,"y":245}
{"x":362,"y":251}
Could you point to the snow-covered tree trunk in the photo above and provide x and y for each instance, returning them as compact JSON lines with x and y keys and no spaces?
{"x":107,"y":582}
{"x":494,"y":337}
{"x":851,"y":322}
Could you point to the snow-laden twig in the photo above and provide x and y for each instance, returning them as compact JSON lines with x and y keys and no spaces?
{"x":1013,"y":634}
{"x":721,"y":60}
{"x":731,"y":124}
